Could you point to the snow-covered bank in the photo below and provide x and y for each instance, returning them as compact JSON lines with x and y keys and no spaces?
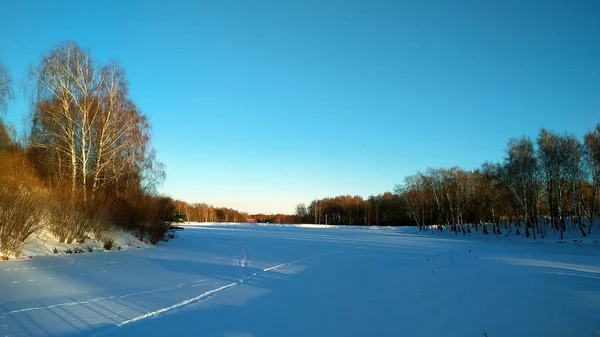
{"x":256,"y":280}
{"x":44,"y":243}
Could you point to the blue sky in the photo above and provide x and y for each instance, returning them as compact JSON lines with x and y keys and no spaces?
{"x":260,"y":105}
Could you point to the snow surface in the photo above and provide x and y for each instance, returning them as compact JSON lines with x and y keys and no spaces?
{"x":257,"y":280}
{"x":43,"y":243}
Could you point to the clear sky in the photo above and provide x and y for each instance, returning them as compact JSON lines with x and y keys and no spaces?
{"x":260,"y":105}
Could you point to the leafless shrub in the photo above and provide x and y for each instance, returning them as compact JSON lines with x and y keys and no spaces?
{"x":68,"y":222}
{"x":156,"y":231}
{"x":71,"y":219}
{"x":108,"y":244}
{"x":147,"y":216}
{"x":21,"y":202}
{"x":20,"y":216}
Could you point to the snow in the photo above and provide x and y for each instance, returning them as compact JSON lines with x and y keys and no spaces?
{"x":268,"y":280}
{"x":244,"y":224}
{"x":43,"y":243}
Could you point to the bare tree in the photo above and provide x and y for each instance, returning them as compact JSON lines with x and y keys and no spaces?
{"x":6,"y":94}
{"x":522,"y":180}
{"x":301,"y":212}
{"x":413,"y":193}
{"x":62,"y":102}
{"x":120,"y":134}
{"x":88,"y":128}
{"x":574,"y":178}
{"x":492,"y":191}
{"x":6,"y":91}
{"x":592,"y":165}
{"x":551,"y":160}
{"x":434,"y":182}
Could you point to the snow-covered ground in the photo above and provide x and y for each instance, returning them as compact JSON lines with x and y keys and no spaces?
{"x":43,"y":243}
{"x":256,"y":280}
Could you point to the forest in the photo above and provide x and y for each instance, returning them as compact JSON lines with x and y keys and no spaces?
{"x":551,"y":183}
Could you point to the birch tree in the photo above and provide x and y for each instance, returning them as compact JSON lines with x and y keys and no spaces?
{"x":413,"y":193}
{"x":574,"y":174}
{"x":118,"y":130}
{"x":85,"y":123}
{"x":6,"y":94}
{"x":6,"y":91}
{"x":522,"y":180}
{"x":62,"y":100}
{"x":434,"y":182}
{"x":551,"y":158}
{"x":591,"y":160}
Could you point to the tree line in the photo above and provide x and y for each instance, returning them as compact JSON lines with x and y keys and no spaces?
{"x":201,"y":212}
{"x":549,"y":184}
{"x":86,"y":163}
{"x":383,"y":210}
{"x":552,"y":183}
{"x":386,"y":209}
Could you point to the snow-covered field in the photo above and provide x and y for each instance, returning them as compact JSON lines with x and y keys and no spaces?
{"x":253,"y":280}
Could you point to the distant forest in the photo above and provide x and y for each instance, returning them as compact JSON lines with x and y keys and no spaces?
{"x":550,"y":183}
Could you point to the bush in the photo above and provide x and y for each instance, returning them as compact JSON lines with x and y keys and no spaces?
{"x":68,"y":223}
{"x":20,"y":216}
{"x":147,"y":216}
{"x":156,"y":231}
{"x":108,"y":244}
{"x":72,"y":220}
{"x":21,"y":202}
{"x":98,"y":210}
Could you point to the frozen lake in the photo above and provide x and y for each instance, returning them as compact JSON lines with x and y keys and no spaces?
{"x":252,"y":280}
